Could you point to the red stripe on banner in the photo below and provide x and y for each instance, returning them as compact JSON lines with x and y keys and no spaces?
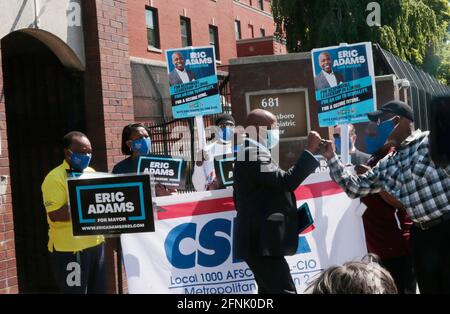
{"x":307,"y":230}
{"x":304,"y":192}
{"x":196,"y":208}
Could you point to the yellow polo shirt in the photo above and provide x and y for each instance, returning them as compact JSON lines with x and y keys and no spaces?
{"x":60,"y":234}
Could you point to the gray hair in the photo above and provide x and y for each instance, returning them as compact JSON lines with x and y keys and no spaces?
{"x":365,"y":277}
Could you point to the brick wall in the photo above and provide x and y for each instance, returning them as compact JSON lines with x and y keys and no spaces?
{"x":258,"y":47}
{"x":109,"y":103}
{"x":255,"y":17}
{"x":108,"y":77}
{"x":279,"y":48}
{"x":8,"y":270}
{"x":201,"y":13}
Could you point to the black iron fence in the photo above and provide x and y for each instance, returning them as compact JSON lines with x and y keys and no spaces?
{"x":177,"y":137}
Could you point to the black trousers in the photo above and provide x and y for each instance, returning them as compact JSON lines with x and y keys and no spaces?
{"x":431,"y":253}
{"x":402,"y":270}
{"x":82,"y":272}
{"x":272,"y":274}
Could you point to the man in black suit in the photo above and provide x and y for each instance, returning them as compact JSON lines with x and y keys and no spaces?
{"x":266,"y":227}
{"x":327,"y":77}
{"x":180,"y":74}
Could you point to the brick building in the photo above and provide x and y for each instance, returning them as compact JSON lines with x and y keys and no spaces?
{"x":235,"y":28}
{"x":195,"y":23}
{"x":94,"y":66}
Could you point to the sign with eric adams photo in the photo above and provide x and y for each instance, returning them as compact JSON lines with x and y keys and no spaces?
{"x":111,"y":205}
{"x":193,"y":81}
{"x":344,"y":80}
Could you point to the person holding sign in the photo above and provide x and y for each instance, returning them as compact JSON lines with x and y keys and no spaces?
{"x":135,"y":143}
{"x":79,"y":262}
{"x":204,"y":176}
{"x":410,"y":175}
{"x":327,"y":77}
{"x":180,"y":74}
{"x":266,"y":227}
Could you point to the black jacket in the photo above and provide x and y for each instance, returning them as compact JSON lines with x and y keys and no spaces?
{"x":266,"y":222}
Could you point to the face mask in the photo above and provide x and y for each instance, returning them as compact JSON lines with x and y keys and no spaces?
{"x":226,"y":133}
{"x":141,"y":146}
{"x":273,"y":137}
{"x":375,"y":143}
{"x":337,"y":143}
{"x":80,"y":161}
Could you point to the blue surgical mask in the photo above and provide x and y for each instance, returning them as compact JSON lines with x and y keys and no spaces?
{"x":374,"y":143}
{"x":80,"y":161}
{"x":141,"y":146}
{"x":337,"y":143}
{"x":273,"y":137}
{"x":226,"y":133}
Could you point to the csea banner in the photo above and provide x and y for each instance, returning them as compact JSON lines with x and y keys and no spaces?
{"x":344,"y":80}
{"x":191,"y":250}
{"x":193,"y":81}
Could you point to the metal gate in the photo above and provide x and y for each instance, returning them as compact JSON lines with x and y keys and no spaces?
{"x":163,"y":137}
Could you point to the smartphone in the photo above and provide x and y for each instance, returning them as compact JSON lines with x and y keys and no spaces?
{"x":305,"y":219}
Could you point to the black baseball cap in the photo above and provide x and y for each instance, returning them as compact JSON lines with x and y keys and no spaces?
{"x":396,"y":107}
{"x":224,"y":119}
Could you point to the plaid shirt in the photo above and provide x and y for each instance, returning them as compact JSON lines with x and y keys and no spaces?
{"x":407,"y":174}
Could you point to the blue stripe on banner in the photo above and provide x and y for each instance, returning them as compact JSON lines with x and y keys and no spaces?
{"x":201,"y":82}
{"x":345,"y":88}
{"x":203,"y":106}
{"x":354,"y":113}
{"x":303,"y":246}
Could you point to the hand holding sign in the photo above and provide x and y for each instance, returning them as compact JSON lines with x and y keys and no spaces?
{"x":202,"y":155}
{"x":214,"y":185}
{"x":161,"y":190}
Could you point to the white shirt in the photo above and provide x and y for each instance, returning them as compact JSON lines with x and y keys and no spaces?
{"x":331,"y":79}
{"x":205,"y":174}
{"x":183,"y":75}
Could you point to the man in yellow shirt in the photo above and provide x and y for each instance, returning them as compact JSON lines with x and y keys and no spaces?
{"x":79,"y":262}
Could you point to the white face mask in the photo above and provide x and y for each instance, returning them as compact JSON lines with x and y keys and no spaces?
{"x":273,"y":137}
